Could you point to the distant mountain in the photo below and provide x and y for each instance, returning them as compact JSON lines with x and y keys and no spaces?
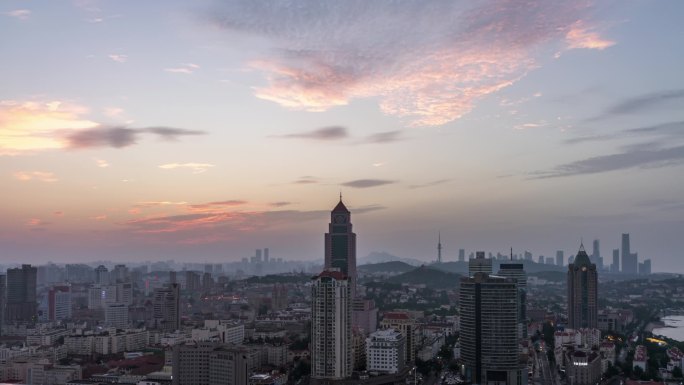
{"x":432,"y":278}
{"x":381,"y":256}
{"x":389,"y":267}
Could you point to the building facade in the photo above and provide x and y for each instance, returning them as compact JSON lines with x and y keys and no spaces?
{"x":479,"y":264}
{"x":340,"y":244}
{"x":406,"y":324}
{"x":582,"y":292}
{"x":385,"y":351}
{"x":517,"y":271}
{"x":331,"y":326}
{"x":21,"y":305}
{"x":489,"y":331}
{"x":166,"y":307}
{"x":209,"y":363}
{"x":59,"y":303}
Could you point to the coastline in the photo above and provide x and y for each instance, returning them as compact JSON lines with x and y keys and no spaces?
{"x":670,"y":327}
{"x":655,"y":325}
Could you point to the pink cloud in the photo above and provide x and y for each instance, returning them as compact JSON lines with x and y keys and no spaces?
{"x":581,"y":36}
{"x":187,"y":69}
{"x":427,"y":62}
{"x":119,"y":58}
{"x":34,"y":222}
{"x":21,"y":14}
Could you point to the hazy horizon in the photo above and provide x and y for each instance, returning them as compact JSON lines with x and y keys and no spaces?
{"x":205,"y":130}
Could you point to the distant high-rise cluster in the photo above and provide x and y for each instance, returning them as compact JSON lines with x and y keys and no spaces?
{"x":627,"y":262}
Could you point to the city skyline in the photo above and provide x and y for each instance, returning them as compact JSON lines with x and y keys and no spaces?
{"x":207,"y":130}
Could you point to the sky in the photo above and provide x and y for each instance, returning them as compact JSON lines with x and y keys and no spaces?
{"x":203,"y":130}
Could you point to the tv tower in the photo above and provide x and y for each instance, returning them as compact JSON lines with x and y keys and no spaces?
{"x":439,"y":247}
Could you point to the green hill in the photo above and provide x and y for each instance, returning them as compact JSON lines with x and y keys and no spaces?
{"x":432,"y":278}
{"x":389,"y":267}
{"x":452,"y":267}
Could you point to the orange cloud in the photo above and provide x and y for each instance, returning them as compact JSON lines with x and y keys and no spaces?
{"x":213,"y":222}
{"x":30,"y":126}
{"x":581,"y":36}
{"x":33,"y":222}
{"x":197,"y":168}
{"x":41,"y":176}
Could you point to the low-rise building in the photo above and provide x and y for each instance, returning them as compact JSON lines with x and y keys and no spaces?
{"x":583,"y":367}
{"x":385,"y":351}
{"x":640,"y":357}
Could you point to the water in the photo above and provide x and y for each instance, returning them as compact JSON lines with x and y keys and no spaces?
{"x":675,"y":329}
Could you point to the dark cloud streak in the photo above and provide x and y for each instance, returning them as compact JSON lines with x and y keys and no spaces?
{"x":366,"y":183}
{"x":383,"y":137}
{"x":670,"y":129}
{"x":430,"y":184}
{"x":325,"y":133}
{"x":651,"y":158}
{"x":643,"y":103}
{"x":119,"y":137}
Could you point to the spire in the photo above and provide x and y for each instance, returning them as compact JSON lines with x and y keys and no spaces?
{"x":582,"y":258}
{"x":340,"y":208}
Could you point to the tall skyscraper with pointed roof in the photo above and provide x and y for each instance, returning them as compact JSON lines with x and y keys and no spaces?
{"x":582,"y":292}
{"x":340,"y":244}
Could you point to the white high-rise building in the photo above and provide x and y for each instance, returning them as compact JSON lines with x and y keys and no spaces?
{"x":116,"y":315}
{"x":331,"y":321}
{"x":385,"y":351}
{"x":59,"y":303}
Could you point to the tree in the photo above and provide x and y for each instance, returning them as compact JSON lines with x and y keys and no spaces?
{"x":677,"y":372}
{"x":423,"y":367}
{"x":548,"y":331}
{"x":446,"y":353}
{"x":638,"y":372}
{"x":302,"y":369}
{"x":612,"y":370}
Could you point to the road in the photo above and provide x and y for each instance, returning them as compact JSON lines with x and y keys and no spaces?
{"x":546,"y":374}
